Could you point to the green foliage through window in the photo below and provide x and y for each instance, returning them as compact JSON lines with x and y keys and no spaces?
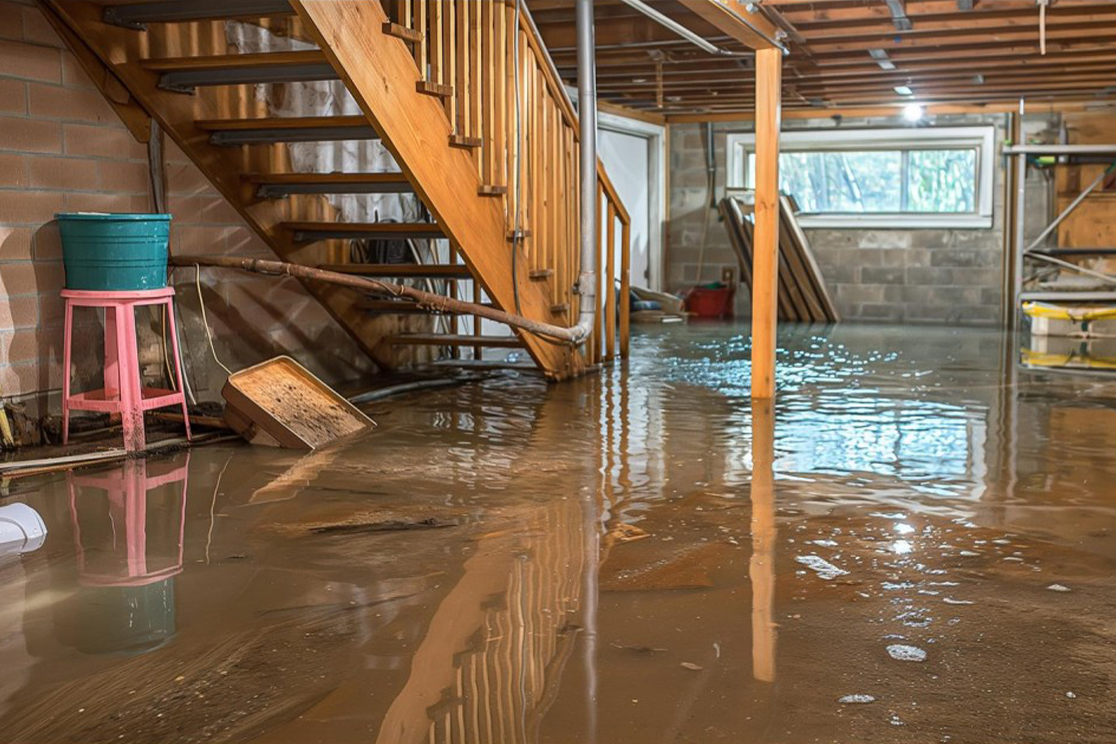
{"x":878,"y":181}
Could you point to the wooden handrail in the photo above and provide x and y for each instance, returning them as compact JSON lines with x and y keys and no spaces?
{"x":505,"y":102}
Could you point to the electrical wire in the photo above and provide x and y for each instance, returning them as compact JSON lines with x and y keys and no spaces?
{"x":205,"y":321}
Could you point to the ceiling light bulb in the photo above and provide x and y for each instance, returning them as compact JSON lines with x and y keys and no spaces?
{"x":913,"y":111}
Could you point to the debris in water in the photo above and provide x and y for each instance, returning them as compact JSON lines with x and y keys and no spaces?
{"x":901,"y":652}
{"x":691,"y":666}
{"x":823,"y":568}
{"x":952,"y":601}
{"x":1071,"y":695}
{"x":856,"y":699}
{"x":639,"y":649}
{"x":281,"y":404}
{"x":623,"y":533}
{"x":1058,"y":588}
{"x":394,"y":525}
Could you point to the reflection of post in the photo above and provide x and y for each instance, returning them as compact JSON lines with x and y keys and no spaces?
{"x":761,"y":570}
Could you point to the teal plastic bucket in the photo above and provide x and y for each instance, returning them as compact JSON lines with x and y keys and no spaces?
{"x":114,"y":252}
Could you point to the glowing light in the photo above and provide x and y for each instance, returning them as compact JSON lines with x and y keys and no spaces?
{"x":913,"y":111}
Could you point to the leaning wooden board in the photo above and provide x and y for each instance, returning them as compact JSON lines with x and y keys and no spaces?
{"x":802,"y":294}
{"x":280,"y":403}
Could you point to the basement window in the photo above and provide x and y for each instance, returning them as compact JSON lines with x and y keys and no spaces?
{"x":880,"y":178}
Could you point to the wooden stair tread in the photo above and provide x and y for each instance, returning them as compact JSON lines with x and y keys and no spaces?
{"x":234,"y":61}
{"x":282,"y":184}
{"x":185,"y":74}
{"x":402,"y":32}
{"x":428,"y":271}
{"x":134,"y":15}
{"x":279,"y":122}
{"x":449,"y":339}
{"x":485,"y":365}
{"x":271,"y":129}
{"x":460,"y":140}
{"x":385,"y":230}
{"x":439,"y":90}
{"x":299,"y":178}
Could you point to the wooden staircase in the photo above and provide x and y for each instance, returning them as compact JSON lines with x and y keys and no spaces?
{"x":436,"y":82}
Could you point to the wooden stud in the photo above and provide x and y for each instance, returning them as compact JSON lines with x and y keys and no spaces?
{"x":765,"y":266}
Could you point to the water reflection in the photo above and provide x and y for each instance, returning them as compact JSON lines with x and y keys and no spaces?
{"x":644,"y":556}
{"x":761,"y":569}
{"x":128,"y":532}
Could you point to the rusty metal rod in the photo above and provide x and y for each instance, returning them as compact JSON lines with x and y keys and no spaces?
{"x":429,"y":300}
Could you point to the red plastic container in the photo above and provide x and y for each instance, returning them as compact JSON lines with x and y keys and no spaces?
{"x":711,"y":303}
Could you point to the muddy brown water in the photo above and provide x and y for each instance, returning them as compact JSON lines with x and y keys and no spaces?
{"x":917,"y":544}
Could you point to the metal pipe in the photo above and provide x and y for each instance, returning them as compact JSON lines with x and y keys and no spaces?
{"x":695,"y":39}
{"x":437,"y":303}
{"x":587,"y":120}
{"x":1106,"y":278}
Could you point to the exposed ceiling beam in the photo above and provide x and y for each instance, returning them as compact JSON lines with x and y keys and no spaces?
{"x":741,"y":21}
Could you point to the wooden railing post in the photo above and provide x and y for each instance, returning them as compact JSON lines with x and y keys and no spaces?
{"x":765,"y":259}
{"x":625,"y":287}
{"x":610,"y":285}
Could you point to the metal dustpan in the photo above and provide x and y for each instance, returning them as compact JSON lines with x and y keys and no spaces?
{"x":281,"y":404}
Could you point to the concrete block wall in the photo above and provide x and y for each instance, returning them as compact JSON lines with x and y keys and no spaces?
{"x":892,"y":275}
{"x":62,"y":148}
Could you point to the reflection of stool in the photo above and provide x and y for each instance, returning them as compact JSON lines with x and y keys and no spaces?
{"x":123,"y":392}
{"x":124,"y":550}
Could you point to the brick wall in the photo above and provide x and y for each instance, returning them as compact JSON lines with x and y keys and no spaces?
{"x":894,"y":275}
{"x":62,"y":148}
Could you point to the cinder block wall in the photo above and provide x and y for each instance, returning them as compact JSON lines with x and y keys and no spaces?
{"x":62,"y":148}
{"x":904,"y":276}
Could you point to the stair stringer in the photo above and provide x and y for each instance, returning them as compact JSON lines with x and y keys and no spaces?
{"x":380,"y":72}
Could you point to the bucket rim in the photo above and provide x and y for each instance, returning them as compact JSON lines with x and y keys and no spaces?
{"x":113,"y":216}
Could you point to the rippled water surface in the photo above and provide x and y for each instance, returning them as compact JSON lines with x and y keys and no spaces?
{"x":915,"y":544}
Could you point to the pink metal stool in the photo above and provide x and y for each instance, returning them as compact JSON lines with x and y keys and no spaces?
{"x":123,"y":392}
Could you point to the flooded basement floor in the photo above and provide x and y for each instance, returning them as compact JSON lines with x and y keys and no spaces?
{"x":918,"y":544}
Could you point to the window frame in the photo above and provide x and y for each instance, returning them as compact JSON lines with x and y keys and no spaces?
{"x":982,"y":138}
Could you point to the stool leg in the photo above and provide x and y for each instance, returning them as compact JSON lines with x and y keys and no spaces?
{"x":112,"y":361}
{"x":68,"y":333}
{"x":177,"y":364}
{"x":131,"y":389}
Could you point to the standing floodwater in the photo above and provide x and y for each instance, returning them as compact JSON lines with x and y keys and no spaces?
{"x":917,"y":543}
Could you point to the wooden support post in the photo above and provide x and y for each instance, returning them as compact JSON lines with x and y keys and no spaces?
{"x":765,"y":258}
